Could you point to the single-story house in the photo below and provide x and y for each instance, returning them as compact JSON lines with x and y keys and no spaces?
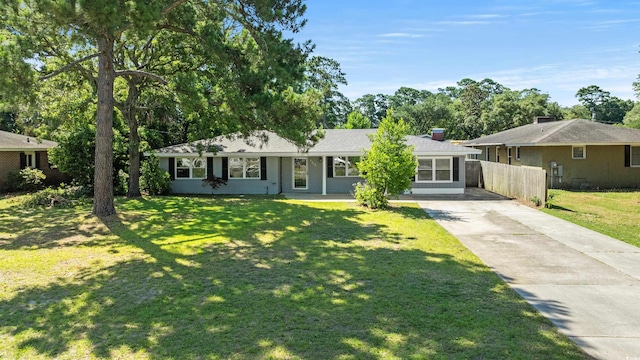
{"x":252,"y":166}
{"x":18,"y":152}
{"x":576,"y":153}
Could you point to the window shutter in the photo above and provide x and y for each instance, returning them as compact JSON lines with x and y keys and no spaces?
{"x":627,"y":156}
{"x":209,"y":167}
{"x":456,"y":169}
{"x":37,"y":159}
{"x":23,"y":161}
{"x":225,"y":168}
{"x":263,"y":168}
{"x":329,"y":166}
{"x":172,"y":168}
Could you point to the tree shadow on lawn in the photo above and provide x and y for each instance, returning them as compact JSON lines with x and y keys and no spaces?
{"x":47,"y":228}
{"x":235,"y":279}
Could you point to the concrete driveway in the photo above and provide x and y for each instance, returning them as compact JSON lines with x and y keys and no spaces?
{"x":586,"y":283}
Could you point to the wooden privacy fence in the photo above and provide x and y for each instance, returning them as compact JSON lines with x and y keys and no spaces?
{"x":520,"y":182}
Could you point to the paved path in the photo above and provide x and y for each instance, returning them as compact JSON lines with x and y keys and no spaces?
{"x":586,"y":283}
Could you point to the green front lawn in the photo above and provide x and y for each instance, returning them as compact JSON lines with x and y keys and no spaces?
{"x":246,"y":278}
{"x":616,"y":214}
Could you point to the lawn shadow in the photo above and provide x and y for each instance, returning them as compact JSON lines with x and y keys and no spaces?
{"x":241,"y":278}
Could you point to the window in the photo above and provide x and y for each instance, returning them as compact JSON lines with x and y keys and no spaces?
{"x":497,"y":154}
{"x":190,"y":168}
{"x":635,"y":156}
{"x":509,"y":155}
{"x":435,"y":170}
{"x":487,"y":156}
{"x":29,"y":160}
{"x":345,"y":166}
{"x":578,"y":152}
{"x":244,"y":168}
{"x":518,"y":153}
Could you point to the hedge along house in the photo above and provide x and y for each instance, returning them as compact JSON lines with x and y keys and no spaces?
{"x":576,"y":153}
{"x":18,"y":152}
{"x":251,"y":166}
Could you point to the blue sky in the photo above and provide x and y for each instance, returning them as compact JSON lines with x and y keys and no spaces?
{"x":557,"y":46}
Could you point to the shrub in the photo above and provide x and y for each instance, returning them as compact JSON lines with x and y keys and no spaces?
{"x":213,"y":181}
{"x":27,"y":179}
{"x":368,"y":196}
{"x":14,"y":181}
{"x":153,"y":179}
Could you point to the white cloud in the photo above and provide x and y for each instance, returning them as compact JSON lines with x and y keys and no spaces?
{"x":401,"y":35}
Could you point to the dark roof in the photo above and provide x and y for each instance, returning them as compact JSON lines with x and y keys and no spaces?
{"x":16,"y":142}
{"x":567,"y":132}
{"x":335,"y":142}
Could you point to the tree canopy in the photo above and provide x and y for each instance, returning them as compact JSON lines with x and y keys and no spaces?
{"x":229,"y":59}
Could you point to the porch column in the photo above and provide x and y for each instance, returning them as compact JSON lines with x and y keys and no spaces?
{"x":324,"y":175}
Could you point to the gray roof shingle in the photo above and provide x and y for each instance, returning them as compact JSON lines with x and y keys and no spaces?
{"x":335,"y":142}
{"x":567,"y":132}
{"x":16,"y":142}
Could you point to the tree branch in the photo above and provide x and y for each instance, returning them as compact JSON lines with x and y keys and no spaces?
{"x":64,"y":68}
{"x":140,"y":73}
{"x":170,"y":7}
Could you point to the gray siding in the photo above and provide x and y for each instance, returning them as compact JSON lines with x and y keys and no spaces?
{"x":280,"y":179}
{"x":234,"y":186}
{"x":460,"y":184}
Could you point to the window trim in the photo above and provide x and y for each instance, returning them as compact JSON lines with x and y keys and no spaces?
{"x":487,"y":156}
{"x":517,"y":153}
{"x":346,"y":166}
{"x":434,"y":170}
{"x":497,"y":154}
{"x":244,"y":168}
{"x":190,"y":167}
{"x":30,"y":159}
{"x":509,"y":154}
{"x":631,"y":156}
{"x":584,"y":152}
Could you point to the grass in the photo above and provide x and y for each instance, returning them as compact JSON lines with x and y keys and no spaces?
{"x":611,"y":213}
{"x":254,"y":278}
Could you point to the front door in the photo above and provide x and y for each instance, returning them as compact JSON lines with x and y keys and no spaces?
{"x":300,"y":174}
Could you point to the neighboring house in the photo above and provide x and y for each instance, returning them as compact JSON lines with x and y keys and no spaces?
{"x":576,"y":153}
{"x":251,"y":166}
{"x":18,"y":152}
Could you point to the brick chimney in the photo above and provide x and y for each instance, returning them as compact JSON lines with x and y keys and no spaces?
{"x":437,"y":134}
{"x":543,"y":119}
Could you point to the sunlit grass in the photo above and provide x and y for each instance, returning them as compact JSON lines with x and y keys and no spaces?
{"x":180,"y":277}
{"x":612,"y":213}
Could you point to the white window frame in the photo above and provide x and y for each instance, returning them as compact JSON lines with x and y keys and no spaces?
{"x":190,"y":167}
{"x":347,"y":167}
{"x":517,"y":153}
{"x":584,"y":152}
{"x":632,"y":158}
{"x":487,"y":156}
{"x":244,"y":168}
{"x":509,"y":155}
{"x":497,"y":154}
{"x":30,"y":159}
{"x":434,"y":169}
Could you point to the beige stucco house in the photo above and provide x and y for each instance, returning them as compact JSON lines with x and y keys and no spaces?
{"x":18,"y":152}
{"x":576,"y":153}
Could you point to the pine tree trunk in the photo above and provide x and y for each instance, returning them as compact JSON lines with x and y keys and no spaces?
{"x":103,"y":177}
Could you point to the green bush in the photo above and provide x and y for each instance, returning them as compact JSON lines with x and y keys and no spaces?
{"x":27,"y":179}
{"x":14,"y":181}
{"x":370,"y":197}
{"x":153,"y":179}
